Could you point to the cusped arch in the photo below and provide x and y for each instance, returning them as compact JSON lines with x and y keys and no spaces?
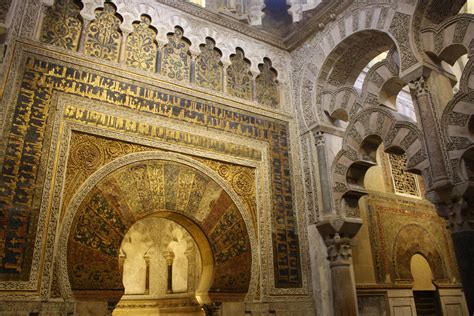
{"x":449,"y":40}
{"x":213,"y":222}
{"x":458,"y":128}
{"x":413,"y":239}
{"x":365,"y":132}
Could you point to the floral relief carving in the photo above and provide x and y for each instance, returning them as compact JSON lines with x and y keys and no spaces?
{"x":267,"y":86}
{"x":209,"y":66}
{"x":141,"y":46}
{"x":103,"y":36}
{"x":176,"y":62}
{"x":62,"y":25}
{"x":239,"y":78}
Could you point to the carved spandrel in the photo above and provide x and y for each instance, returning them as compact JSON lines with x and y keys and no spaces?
{"x":141,"y":47}
{"x":62,"y":26}
{"x":103,"y":36}
{"x":176,"y":60}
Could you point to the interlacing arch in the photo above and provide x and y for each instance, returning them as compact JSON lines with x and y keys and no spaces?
{"x":350,"y":42}
{"x":458,"y":126}
{"x":365,"y":132}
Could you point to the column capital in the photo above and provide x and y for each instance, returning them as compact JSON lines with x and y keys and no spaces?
{"x":459,"y":213}
{"x":333,"y":225}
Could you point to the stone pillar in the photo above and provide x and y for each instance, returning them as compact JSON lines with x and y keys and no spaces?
{"x":324,"y":182}
{"x":460,"y":214}
{"x":428,"y":109}
{"x":82,"y":41}
{"x":159,"y":54}
{"x":224,"y":76}
{"x":169,"y":256}
{"x":123,"y":47}
{"x":254,"y":86}
{"x":192,"y":70}
{"x":337,"y":233}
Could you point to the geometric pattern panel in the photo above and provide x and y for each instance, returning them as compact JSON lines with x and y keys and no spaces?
{"x":404,"y":182}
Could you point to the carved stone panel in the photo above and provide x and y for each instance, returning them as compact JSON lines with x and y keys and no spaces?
{"x":176,"y":62}
{"x":62,"y":26}
{"x":404,"y":182}
{"x":141,"y":46}
{"x":239,"y":78}
{"x":209,"y":66}
{"x":103,"y":37}
{"x":267,"y":86}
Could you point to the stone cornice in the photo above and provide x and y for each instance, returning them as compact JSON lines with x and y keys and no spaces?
{"x":328,"y":12}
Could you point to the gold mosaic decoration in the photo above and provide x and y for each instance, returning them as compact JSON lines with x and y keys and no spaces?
{"x":404,"y":182}
{"x":87,"y":154}
{"x":141,"y":47}
{"x":103,"y":36}
{"x":267,"y":86}
{"x":61,"y":25}
{"x":176,"y":61}
{"x":209,"y":67}
{"x":239,"y":78}
{"x":242,"y":179}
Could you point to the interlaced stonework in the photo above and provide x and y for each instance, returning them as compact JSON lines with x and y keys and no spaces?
{"x":404,"y":182}
{"x":62,"y":26}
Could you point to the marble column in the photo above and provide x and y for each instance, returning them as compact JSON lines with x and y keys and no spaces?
{"x":324,"y":182}
{"x":429,"y":121}
{"x":460,"y":214}
{"x":338,"y":233}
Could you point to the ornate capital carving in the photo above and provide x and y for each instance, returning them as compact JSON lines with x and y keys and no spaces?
{"x":319,"y":138}
{"x":459,"y":213}
{"x":339,"y":250}
{"x":418,"y":86}
{"x":338,"y":233}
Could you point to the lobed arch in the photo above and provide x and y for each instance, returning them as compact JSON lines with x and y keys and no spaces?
{"x":365,"y":132}
{"x":198,"y":227}
{"x":165,"y":22}
{"x":457,"y":124}
{"x":311,"y":58}
{"x":449,"y":40}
